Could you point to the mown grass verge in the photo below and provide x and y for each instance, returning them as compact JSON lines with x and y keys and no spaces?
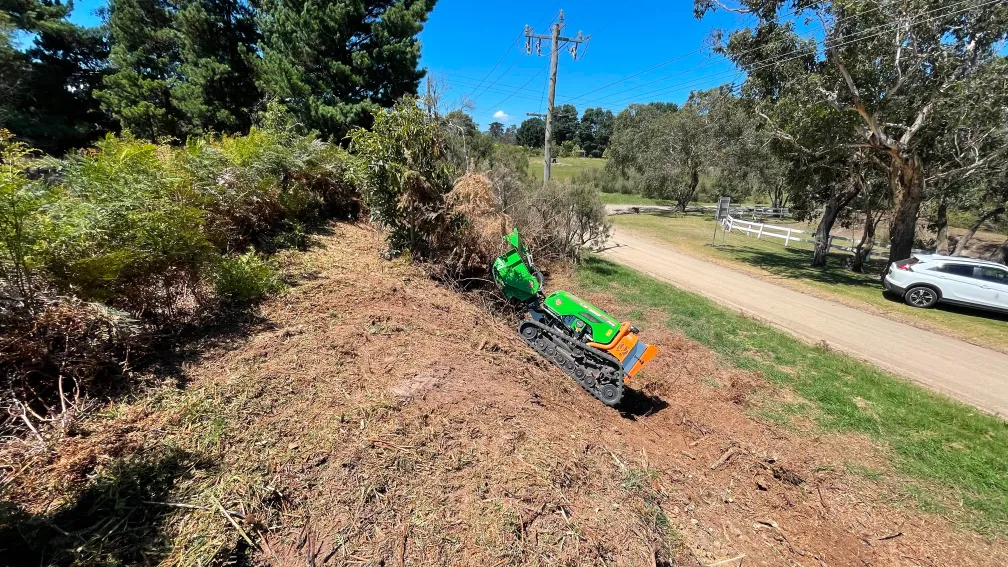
{"x":564,"y":168}
{"x":768,"y":257}
{"x":955,"y":450}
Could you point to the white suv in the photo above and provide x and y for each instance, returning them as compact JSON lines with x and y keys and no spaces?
{"x":924,"y":280}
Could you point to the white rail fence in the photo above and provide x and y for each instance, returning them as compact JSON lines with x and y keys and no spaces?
{"x":789,"y":235}
{"x":756,"y":212}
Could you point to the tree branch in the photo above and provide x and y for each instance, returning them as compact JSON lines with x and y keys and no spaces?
{"x":917,"y":123}
{"x":782,"y":134}
{"x":872,"y":124}
{"x":966,"y":169}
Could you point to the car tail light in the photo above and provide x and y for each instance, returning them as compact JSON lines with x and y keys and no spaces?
{"x":906,"y":265}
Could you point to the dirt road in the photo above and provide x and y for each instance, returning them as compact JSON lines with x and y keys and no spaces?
{"x":969,"y":373}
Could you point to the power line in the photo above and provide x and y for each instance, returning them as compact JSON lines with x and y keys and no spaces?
{"x":649,"y":69}
{"x":543,"y":95}
{"x":498,"y":77}
{"x":582,"y":11}
{"x":859,"y":36}
{"x":679,"y":58}
{"x":519,"y":89}
{"x":492,"y":69}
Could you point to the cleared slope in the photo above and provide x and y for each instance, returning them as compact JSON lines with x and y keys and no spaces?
{"x":371,"y":417}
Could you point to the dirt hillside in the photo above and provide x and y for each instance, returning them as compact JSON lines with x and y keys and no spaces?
{"x":369,"y":416}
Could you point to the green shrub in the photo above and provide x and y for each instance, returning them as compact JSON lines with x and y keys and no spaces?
{"x":570,"y":149}
{"x":245,"y":278}
{"x":609,"y":181}
{"x":407,"y":178}
{"x":255,"y":185}
{"x":22,"y":219}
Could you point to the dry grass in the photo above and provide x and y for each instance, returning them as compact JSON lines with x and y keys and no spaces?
{"x":370,"y":417}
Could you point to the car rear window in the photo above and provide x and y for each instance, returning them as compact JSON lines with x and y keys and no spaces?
{"x":996,"y":275}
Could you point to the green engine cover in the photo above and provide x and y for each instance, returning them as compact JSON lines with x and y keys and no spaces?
{"x":576,"y":313}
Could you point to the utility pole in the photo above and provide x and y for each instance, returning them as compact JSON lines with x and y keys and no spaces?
{"x":555,"y":38}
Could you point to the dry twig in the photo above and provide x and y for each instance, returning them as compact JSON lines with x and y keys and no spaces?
{"x":726,"y":561}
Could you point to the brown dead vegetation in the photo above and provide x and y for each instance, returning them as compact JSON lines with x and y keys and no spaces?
{"x":372,"y":417}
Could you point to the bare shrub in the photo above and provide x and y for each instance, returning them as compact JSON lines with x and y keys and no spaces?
{"x":483,"y":227}
{"x":65,"y":348}
{"x":558,"y":220}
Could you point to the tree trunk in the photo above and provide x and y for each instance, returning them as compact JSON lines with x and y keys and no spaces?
{"x":1000,"y":254}
{"x":778,"y":196}
{"x":822,"y":235}
{"x":941,"y":224}
{"x":867,"y":243}
{"x":961,"y":244}
{"x":684,"y":199}
{"x":906,"y":179}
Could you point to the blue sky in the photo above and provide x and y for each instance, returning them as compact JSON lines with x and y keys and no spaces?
{"x":463,"y":39}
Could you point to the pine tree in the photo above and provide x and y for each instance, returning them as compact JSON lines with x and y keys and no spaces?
{"x":218,"y":62}
{"x":333,"y":63}
{"x":46,"y":90}
{"x":145,"y":58}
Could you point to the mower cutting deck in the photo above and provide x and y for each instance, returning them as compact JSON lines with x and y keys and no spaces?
{"x":585,"y":342}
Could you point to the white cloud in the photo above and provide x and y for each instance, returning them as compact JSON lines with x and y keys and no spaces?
{"x":501,"y":116}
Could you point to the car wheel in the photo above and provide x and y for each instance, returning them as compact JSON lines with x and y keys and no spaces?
{"x":921,"y":296}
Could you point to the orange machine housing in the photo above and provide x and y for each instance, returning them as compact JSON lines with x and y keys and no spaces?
{"x":628,"y":349}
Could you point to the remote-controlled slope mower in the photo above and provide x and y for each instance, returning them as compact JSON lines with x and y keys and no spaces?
{"x":589,"y":345}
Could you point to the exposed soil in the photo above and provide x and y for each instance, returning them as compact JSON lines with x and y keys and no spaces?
{"x":399,"y":423}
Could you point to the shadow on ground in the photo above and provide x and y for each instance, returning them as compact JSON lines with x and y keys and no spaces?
{"x":959,"y":309}
{"x":638,"y":404}
{"x":795,"y":264}
{"x":114,"y":521}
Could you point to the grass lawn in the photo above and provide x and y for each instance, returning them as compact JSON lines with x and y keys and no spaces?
{"x":564,"y":168}
{"x":958,"y":453}
{"x":789,"y":266}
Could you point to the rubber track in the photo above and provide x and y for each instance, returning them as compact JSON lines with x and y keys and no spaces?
{"x":603,"y":359}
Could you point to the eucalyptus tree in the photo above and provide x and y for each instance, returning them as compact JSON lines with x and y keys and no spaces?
{"x":496,"y":130}
{"x":594,"y":131}
{"x":671,"y":148}
{"x":531,"y":133}
{"x":889,"y":70}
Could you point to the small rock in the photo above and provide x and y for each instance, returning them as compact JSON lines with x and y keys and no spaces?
{"x":762,"y":484}
{"x":694,"y":521}
{"x":293,"y":446}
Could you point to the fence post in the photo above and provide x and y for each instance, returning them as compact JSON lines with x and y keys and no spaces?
{"x":787,"y":239}
{"x":829,"y":243}
{"x":760,"y":231}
